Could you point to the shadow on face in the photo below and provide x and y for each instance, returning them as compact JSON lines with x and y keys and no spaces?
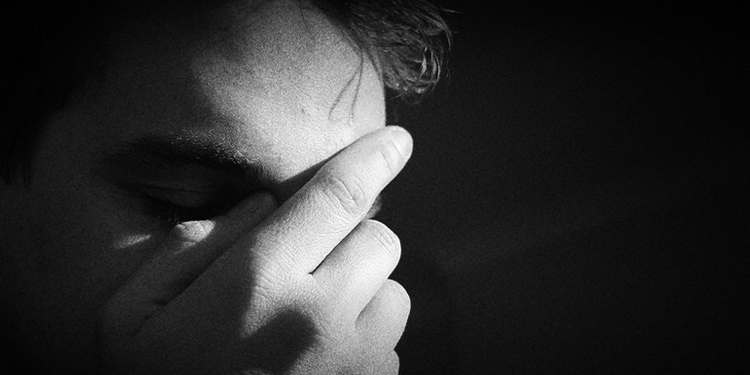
{"x":272,"y":85}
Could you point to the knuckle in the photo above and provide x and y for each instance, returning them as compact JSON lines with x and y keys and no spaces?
{"x":384,"y":237}
{"x":348,"y":193}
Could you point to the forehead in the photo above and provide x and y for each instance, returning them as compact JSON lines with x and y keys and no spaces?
{"x":274,"y":80}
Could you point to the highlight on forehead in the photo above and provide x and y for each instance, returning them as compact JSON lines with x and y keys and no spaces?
{"x":405,"y":40}
{"x":295,"y":41}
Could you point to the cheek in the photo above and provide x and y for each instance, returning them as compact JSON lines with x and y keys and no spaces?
{"x":69,"y":257}
{"x":88,"y":244}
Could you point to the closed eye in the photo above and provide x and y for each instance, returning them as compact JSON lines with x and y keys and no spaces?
{"x":182,"y":178}
{"x":175,"y":205}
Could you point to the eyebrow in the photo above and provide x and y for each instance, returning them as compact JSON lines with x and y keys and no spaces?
{"x":148,"y":156}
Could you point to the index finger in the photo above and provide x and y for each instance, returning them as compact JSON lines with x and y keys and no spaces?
{"x":312,"y":222}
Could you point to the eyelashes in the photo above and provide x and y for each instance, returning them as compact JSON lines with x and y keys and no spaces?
{"x":174,"y":214}
{"x":174,"y":207}
{"x":176,"y":203}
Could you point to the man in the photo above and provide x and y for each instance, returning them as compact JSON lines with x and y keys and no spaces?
{"x":189,"y":186}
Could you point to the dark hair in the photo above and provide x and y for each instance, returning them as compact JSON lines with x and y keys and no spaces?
{"x":54,"y":51}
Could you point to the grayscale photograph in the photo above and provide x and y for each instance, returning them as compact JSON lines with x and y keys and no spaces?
{"x":414,"y":187}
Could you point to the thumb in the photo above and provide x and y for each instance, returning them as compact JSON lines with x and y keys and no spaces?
{"x":187,"y":251}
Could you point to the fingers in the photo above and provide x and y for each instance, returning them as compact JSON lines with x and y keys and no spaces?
{"x":194,"y":245}
{"x":383,"y":320}
{"x":216,"y":280}
{"x":189,"y":249}
{"x":334,"y":201}
{"x":356,"y":268}
{"x":355,"y":275}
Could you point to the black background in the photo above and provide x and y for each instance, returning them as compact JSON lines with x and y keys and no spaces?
{"x":573,"y":204}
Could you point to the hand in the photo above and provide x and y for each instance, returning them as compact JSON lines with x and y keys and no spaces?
{"x":302,"y":289}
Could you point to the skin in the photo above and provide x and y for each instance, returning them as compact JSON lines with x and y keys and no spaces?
{"x":291,"y":277}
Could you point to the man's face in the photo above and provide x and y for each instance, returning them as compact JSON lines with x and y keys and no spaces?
{"x":193,"y":113}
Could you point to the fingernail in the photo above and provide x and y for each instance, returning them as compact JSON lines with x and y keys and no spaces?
{"x":403,"y":140}
{"x":192,"y":231}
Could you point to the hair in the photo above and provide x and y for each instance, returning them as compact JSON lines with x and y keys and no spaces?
{"x":56,"y":51}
